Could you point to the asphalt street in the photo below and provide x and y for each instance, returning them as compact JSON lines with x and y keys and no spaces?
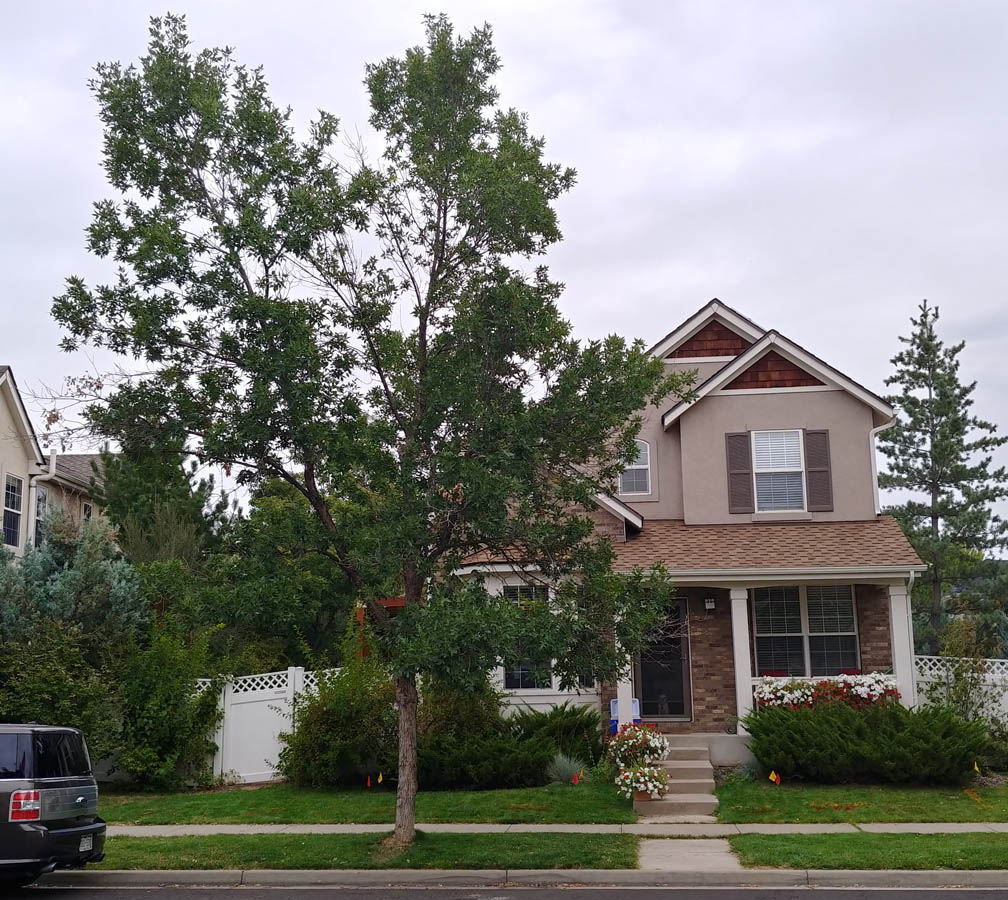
{"x":516,"y":893}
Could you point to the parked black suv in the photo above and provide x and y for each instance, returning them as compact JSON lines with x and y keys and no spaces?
{"x":48,"y":803}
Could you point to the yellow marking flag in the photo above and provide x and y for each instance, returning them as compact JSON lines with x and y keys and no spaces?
{"x":976,"y":768}
{"x":773,"y":776}
{"x":379,"y":778}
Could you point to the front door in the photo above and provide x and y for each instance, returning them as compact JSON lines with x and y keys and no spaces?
{"x":661,"y":676}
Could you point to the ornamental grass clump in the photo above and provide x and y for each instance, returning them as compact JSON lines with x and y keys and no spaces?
{"x":646,"y":779}
{"x":635,"y":745}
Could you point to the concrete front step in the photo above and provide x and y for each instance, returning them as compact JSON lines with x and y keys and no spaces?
{"x":678,"y":805}
{"x":688,"y":768}
{"x":691,"y":786}
{"x":689,"y":752}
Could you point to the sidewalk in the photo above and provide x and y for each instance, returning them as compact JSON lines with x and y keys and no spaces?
{"x":645,"y":829}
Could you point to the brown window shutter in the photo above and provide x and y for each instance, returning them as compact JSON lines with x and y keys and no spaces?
{"x":740,"y":479}
{"x":818,"y":476}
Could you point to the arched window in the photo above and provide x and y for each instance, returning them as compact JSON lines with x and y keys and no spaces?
{"x":636,"y":478}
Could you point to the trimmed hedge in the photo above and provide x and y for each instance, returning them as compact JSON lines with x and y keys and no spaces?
{"x":836,"y":743}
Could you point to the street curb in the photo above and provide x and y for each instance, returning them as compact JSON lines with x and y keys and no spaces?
{"x":853,"y":878}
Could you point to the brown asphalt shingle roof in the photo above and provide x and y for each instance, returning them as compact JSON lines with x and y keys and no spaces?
{"x":777,"y":545}
{"x":78,"y":466}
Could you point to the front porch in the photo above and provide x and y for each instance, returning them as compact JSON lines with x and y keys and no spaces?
{"x":698,"y":675}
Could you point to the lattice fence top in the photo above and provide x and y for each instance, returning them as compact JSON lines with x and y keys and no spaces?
{"x":936,"y":666}
{"x":266,"y":681}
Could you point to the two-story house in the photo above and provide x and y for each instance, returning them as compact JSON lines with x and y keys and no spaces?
{"x":34,"y":482}
{"x":760,"y":497}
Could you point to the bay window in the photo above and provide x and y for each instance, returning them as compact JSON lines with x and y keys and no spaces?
{"x":803,"y":631}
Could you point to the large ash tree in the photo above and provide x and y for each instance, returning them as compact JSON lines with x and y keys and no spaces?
{"x":940,"y":459}
{"x":373,"y":335}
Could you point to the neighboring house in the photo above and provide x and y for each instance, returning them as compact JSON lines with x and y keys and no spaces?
{"x":760,"y":497}
{"x":34,"y":483}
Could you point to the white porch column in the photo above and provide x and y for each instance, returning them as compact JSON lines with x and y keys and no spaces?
{"x":901,"y":641}
{"x":624,"y":698}
{"x":740,"y":646}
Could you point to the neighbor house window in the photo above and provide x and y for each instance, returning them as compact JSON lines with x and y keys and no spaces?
{"x":527,"y":674}
{"x":41,"y":507}
{"x":636,"y":478}
{"x":802,"y":631}
{"x":778,"y":470}
{"x":13,"y":496}
{"x":86,"y":511}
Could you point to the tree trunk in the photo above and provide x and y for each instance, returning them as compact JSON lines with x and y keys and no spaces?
{"x":406,"y":700}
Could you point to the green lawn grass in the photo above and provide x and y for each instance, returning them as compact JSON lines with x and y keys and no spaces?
{"x":591,"y":802}
{"x":754,"y":801}
{"x":873,"y":851}
{"x":364,"y":851}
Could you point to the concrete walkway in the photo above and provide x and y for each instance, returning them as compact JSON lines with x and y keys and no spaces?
{"x":645,"y":829}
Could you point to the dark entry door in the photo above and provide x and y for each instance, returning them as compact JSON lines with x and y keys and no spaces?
{"x":661,"y":677}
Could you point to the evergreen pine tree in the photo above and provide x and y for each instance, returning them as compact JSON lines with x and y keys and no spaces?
{"x":940,"y":459}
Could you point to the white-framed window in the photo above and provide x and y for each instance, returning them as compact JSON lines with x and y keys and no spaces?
{"x":636,"y":478}
{"x":527,"y":674}
{"x":778,"y":470}
{"x":807,"y":630}
{"x":12,"y":503}
{"x":86,"y":511}
{"x":41,"y":508}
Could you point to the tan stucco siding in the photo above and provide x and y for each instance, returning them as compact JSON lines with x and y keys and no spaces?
{"x":16,"y":455}
{"x":703,"y":427}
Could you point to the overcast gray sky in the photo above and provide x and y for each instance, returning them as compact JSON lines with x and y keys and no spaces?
{"x":821,"y":167}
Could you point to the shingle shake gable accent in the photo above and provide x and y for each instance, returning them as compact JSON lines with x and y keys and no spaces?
{"x":774,"y":340}
{"x":772,"y":546}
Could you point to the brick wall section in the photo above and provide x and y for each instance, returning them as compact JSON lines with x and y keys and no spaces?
{"x":607,"y":523}
{"x":873,"y":627}
{"x":772,"y":371}
{"x":714,"y":339}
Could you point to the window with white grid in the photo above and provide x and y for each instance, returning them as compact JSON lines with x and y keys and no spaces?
{"x":636,"y":478}
{"x":805,"y":630}
{"x":527,"y":674}
{"x":778,"y":469}
{"x":13,"y":500}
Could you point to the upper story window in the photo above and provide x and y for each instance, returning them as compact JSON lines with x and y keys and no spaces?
{"x":778,"y":467}
{"x":41,"y":508}
{"x":636,"y":478}
{"x":802,"y":631}
{"x":13,"y":497}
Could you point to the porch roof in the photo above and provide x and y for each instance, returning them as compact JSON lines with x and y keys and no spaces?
{"x":874,"y":544}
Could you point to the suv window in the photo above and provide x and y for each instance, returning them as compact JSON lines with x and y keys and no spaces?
{"x":14,"y":755}
{"x":60,"y":754}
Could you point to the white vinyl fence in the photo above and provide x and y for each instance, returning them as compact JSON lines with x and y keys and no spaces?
{"x":932,"y":668}
{"x":256,"y":709}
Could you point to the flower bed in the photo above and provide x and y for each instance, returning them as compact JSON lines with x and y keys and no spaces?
{"x":854,"y":690}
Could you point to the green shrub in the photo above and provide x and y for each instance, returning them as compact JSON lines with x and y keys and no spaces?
{"x":346,"y":729}
{"x":45,"y":678}
{"x":837,"y":743}
{"x":483,"y":761}
{"x":168,"y":726}
{"x":995,"y":755}
{"x":464,"y":741}
{"x":575,"y":730}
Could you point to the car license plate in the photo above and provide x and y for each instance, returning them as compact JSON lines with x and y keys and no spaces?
{"x":86,"y":843}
